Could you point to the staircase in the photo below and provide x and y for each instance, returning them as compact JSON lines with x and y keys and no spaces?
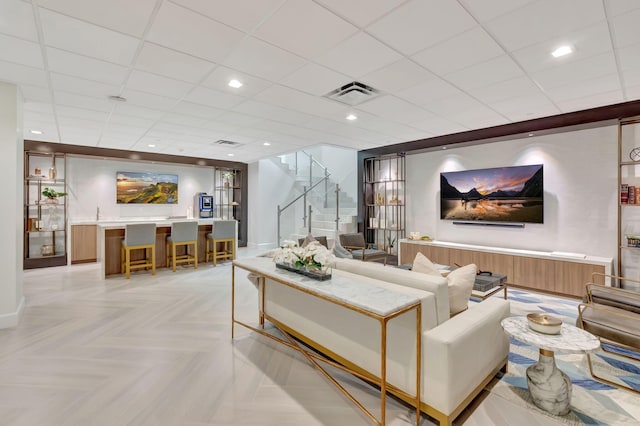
{"x":307,"y":173}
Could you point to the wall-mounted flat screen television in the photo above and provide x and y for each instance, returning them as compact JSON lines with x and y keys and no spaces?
{"x":146,"y":188}
{"x":501,"y":194}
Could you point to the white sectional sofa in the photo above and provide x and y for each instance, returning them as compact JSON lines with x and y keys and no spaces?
{"x":460,"y":355}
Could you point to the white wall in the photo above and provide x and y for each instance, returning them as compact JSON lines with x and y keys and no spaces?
{"x":580,"y":192}
{"x":342,"y":163}
{"x":11,"y":216}
{"x":91,"y":183}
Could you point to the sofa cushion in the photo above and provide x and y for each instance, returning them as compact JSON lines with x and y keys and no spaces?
{"x":460,"y":286}
{"x":422,"y":264}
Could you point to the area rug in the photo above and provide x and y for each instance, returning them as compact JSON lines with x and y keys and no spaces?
{"x":592,"y":402}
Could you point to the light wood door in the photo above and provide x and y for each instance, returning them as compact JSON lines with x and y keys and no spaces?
{"x":83,"y":243}
{"x":571,"y":277}
{"x":495,"y":263}
{"x":534,"y":273}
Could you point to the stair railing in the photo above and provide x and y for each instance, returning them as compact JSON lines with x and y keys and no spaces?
{"x":292,"y":202}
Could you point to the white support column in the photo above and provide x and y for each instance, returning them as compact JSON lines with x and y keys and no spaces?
{"x":11,"y":215}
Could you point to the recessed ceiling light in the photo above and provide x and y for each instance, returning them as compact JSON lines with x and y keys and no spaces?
{"x":235,"y":84}
{"x":351,"y":117}
{"x":230,"y":155}
{"x":444,"y":147}
{"x":267,"y":144}
{"x":36,"y":132}
{"x":151,"y":145}
{"x":561,"y":51}
{"x":531,"y":134}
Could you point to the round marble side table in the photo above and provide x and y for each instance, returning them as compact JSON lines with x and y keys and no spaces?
{"x":550,"y":388}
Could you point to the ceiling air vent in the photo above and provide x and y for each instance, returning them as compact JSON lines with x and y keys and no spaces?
{"x":353,"y":93}
{"x":227,"y":143}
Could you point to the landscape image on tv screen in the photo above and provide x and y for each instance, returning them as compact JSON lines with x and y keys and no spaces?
{"x":502,"y":194}
{"x":146,"y":188}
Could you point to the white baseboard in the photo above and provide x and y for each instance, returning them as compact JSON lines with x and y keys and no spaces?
{"x":12,"y":319}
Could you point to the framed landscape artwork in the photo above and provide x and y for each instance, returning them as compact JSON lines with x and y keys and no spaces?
{"x":146,"y":188}
{"x":501,"y":194}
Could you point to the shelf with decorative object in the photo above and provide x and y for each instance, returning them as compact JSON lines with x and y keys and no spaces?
{"x":384,"y":199}
{"x":628,"y":198}
{"x":45,"y":210}
{"x":228,"y":193}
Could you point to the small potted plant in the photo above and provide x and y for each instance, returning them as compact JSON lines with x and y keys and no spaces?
{"x":52,"y":195}
{"x":390,"y":240}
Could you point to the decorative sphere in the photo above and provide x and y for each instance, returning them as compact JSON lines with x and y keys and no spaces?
{"x":635,"y":154}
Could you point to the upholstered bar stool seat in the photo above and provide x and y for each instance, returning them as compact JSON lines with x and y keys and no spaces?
{"x":139,"y":236}
{"x":224,"y":232}
{"x":182,"y":234}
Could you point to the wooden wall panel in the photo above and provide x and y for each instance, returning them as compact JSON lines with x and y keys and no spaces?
{"x":495,"y":263}
{"x":571,"y":277}
{"x":534,"y":273}
{"x":459,"y":257}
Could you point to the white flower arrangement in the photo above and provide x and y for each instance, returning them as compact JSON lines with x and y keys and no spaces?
{"x":313,"y":256}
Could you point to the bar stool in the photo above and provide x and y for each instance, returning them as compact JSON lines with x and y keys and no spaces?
{"x":224,"y":231}
{"x":182,"y":234}
{"x":137,"y":237}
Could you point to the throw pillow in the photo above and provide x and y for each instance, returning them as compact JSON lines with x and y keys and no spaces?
{"x":422,"y":264}
{"x":460,"y":286}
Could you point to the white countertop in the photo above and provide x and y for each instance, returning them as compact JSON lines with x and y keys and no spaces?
{"x":571,"y":339}
{"x":553,"y":255}
{"x":115,"y":223}
{"x":343,"y":286}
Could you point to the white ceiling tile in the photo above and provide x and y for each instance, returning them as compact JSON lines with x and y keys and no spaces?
{"x":197,"y":110}
{"x":582,"y":88}
{"x":626,"y":30}
{"x":35,"y":94}
{"x":484,"y":10}
{"x":618,"y":7}
{"x":631,"y":77}
{"x":51,"y":136}
{"x":298,"y":101}
{"x":79,"y":86}
{"x":169,"y":63}
{"x":315,"y":79}
{"x":629,"y":57}
{"x":242,"y":14}
{"x":148,"y":100}
{"x":163,"y":86}
{"x":309,"y":22}
{"x":591,"y":101}
{"x":118,"y":118}
{"x":184,"y":120}
{"x":214,"y":98}
{"x":44,"y":108}
{"x":439,"y":126}
{"x":20,"y":74}
{"x":199,"y":36}
{"x":526,"y":107}
{"x":595,"y":66}
{"x":238,"y":119}
{"x":219,"y":79}
{"x":119,"y":15}
{"x":490,"y":72}
{"x":64,"y":32}
{"x":478,"y":118}
{"x":428,"y":91}
{"x":16,"y":19}
{"x":256,"y":57}
{"x":136,"y":111}
{"x":66,"y":112}
{"x":395,"y":109}
{"x":543,"y":20}
{"x":84,"y":67}
{"x":587,"y":42}
{"x":517,"y":87}
{"x":361,"y":12}
{"x":220,"y":127}
{"x":461,"y":51}
{"x":419,"y":24}
{"x":73,"y":100}
{"x":447,"y":106}
{"x":21,"y":51}
{"x":359,"y":55}
{"x":115,"y":129}
{"x":633,"y":93}
{"x":397,"y":76}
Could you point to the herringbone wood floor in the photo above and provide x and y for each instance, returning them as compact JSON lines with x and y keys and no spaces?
{"x":158,"y":351}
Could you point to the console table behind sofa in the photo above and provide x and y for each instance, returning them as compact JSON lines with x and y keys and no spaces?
{"x":543,"y":271}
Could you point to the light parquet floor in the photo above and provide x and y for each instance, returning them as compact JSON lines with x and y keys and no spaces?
{"x":157,"y":350}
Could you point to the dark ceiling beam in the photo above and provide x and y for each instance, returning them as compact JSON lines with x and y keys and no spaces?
{"x":490,"y":134}
{"x":91,"y":151}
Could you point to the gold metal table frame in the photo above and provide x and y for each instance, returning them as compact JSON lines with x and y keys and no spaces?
{"x":312,"y":357}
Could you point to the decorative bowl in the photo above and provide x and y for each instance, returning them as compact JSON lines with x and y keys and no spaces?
{"x":544,"y":323}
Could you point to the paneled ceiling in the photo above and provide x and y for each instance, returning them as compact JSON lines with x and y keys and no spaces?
{"x":440,"y":67}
